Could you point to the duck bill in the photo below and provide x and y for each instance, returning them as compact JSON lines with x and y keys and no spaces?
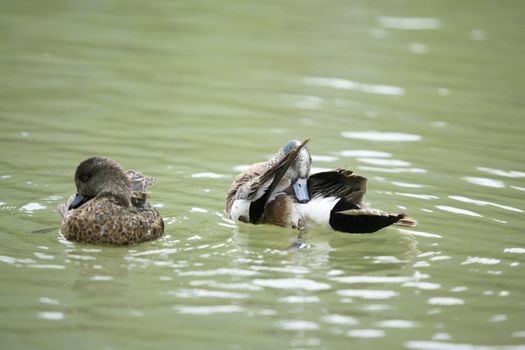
{"x":300,"y":188}
{"x":78,"y":201}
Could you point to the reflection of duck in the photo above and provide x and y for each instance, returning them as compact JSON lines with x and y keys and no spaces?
{"x":110,"y":206}
{"x":280,"y":192}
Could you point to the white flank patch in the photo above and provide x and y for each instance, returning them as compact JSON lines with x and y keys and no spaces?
{"x":317,"y":210}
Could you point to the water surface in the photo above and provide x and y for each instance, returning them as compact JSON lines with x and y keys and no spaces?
{"x":425,"y":99}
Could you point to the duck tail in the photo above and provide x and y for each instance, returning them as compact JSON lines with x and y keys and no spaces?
{"x":406,"y":222}
{"x":349,"y":217}
{"x":139,"y":182}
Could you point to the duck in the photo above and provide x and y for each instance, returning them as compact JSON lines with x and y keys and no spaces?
{"x":281,"y":191}
{"x":110,"y":206}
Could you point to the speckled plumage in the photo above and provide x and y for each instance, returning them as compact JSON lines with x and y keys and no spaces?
{"x":116,"y":212}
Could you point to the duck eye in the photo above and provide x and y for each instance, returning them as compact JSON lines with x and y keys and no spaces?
{"x":84,"y":178}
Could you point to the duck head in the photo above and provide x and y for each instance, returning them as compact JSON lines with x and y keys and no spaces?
{"x":98,"y":176}
{"x":299,"y":170}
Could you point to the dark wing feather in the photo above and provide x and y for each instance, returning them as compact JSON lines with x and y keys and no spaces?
{"x":364,"y":221}
{"x":341,"y":183}
{"x":276,"y":172}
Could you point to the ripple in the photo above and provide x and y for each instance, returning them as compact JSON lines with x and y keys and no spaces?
{"x":498,"y":172}
{"x":291,"y":283}
{"x":435,"y":345}
{"x":53,"y":197}
{"x":340,"y":320}
{"x":366,"y":333}
{"x":164,"y":251}
{"x":419,"y":233}
{"x":498,"y":318}
{"x":345,"y":84}
{"x":220,"y":271}
{"x":457,"y":210}
{"x":31,"y":207}
{"x":484,"y":203}
{"x":299,"y":299}
{"x":410,"y":23}
{"x":207,"y":175}
{"x":101,"y":278}
{"x":445,"y":301}
{"x":50,"y":301}
{"x":384,"y":162}
{"x":43,"y":256}
{"x":13,"y":261}
{"x":287,"y":269}
{"x":396,"y":324}
{"x":482,"y":181}
{"x":297,"y":325}
{"x":416,"y":195}
{"x":230,"y":286}
{"x":208,"y":310}
{"x":482,"y":261}
{"x":365,"y":153}
{"x":304,"y":101}
{"x":514,"y":250}
{"x":51,"y":315}
{"x":393,"y":170}
{"x":48,"y":266}
{"x":422,"y":285}
{"x":368,"y":293}
{"x":375,"y":279}
{"x":381,"y":136}
{"x":241,"y":168}
{"x":418,"y":48}
{"x":204,"y":293}
{"x":407,"y":185}
{"x":317,"y":158}
{"x":388,"y":259}
{"x":198,"y":210}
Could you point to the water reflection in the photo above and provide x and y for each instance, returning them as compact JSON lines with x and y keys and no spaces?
{"x":382,"y":136}
{"x":410,"y":23}
{"x":482,"y":181}
{"x":484,"y":203}
{"x":458,"y":210}
{"x":208,"y":310}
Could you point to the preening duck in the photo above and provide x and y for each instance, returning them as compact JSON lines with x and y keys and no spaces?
{"x":281,"y":192}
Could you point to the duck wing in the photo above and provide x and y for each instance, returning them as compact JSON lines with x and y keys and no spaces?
{"x":275,"y":175}
{"x":339,"y":183}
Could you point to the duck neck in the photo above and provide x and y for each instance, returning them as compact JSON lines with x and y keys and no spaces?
{"x":120,"y":198}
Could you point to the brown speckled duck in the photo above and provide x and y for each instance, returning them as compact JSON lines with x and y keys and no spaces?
{"x":110,"y":206}
{"x":281,"y":192}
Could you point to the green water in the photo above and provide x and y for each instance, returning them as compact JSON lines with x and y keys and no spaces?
{"x":191,"y":91}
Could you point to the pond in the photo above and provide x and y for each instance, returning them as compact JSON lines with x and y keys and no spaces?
{"x":424,"y":98}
